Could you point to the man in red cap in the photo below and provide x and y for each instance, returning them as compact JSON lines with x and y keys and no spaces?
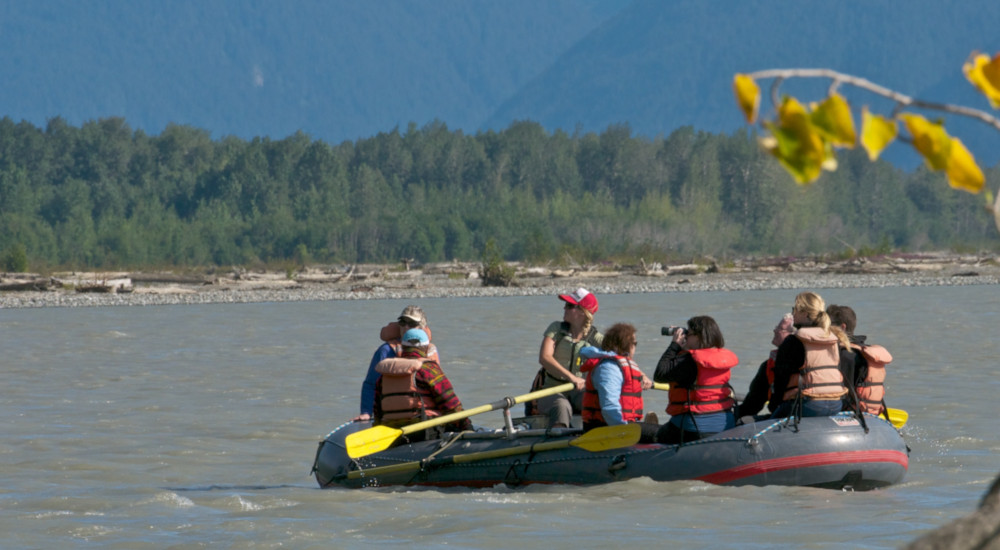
{"x":560,"y":357}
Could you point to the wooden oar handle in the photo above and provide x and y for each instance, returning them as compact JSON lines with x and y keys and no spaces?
{"x":496,"y":405}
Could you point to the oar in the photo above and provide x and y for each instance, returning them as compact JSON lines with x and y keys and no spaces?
{"x":379,"y":438}
{"x":598,"y":439}
{"x":898,"y":417}
{"x":662,"y":386}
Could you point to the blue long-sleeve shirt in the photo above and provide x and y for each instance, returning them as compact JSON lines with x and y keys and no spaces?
{"x":384,"y":351}
{"x":608,"y":380}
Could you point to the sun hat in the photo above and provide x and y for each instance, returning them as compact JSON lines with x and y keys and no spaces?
{"x":415,"y":337}
{"x":583,"y":298}
{"x":413,"y":313}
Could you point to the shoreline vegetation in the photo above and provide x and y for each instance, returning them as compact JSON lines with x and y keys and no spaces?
{"x":461,"y":279}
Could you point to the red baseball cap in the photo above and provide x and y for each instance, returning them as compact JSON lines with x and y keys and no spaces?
{"x":583,"y":298}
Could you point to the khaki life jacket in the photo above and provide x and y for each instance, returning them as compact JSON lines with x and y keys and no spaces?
{"x":871,"y":390}
{"x":820,"y":376}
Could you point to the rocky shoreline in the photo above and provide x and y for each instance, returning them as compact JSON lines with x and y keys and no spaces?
{"x":373,"y":282}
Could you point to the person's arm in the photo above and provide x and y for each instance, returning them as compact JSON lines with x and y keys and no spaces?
{"x":368,"y":386}
{"x":789,"y":359}
{"x":608,"y":380}
{"x":676,"y":367}
{"x":756,"y":394}
{"x":546,"y":358}
{"x":436,"y":382}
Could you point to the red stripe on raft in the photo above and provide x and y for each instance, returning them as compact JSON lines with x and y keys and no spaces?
{"x":805,"y":461}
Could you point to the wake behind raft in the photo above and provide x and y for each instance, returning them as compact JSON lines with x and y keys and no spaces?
{"x":836,"y":452}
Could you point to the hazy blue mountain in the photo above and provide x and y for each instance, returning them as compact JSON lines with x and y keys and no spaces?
{"x":343,"y":69}
{"x":662,"y":64}
{"x":336,"y":69}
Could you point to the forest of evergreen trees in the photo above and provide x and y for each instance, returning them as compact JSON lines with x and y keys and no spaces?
{"x":105,"y":196}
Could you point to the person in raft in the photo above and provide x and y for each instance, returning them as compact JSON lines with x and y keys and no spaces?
{"x":762,"y":385}
{"x":807,"y":375}
{"x":560,"y":358}
{"x":612,"y":394}
{"x":412,"y":387}
{"x":697,"y":366}
{"x":411,"y":317}
{"x":868,"y":372}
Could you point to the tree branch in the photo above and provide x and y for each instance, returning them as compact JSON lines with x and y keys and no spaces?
{"x":901,"y":99}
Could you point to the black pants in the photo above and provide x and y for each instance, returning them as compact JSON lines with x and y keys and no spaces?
{"x":670,"y":434}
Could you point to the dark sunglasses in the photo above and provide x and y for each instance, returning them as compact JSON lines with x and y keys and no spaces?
{"x":570,"y":306}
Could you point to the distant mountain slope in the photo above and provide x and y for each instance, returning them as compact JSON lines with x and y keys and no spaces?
{"x":343,"y":69}
{"x":337,"y":69}
{"x":676,"y":65}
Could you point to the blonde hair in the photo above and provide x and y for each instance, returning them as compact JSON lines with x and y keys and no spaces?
{"x":813,"y":307}
{"x":588,"y":322}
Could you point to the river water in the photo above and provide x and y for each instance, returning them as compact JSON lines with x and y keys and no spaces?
{"x":195,"y":426}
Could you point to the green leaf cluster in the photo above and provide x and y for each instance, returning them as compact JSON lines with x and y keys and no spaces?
{"x":105,"y":196}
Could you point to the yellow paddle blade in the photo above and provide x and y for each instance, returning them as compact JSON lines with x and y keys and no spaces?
{"x":898,"y":417}
{"x":372,"y":440}
{"x":609,"y":437}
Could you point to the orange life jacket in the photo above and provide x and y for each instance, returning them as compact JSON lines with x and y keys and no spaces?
{"x":711,"y":391}
{"x":871,"y":391}
{"x":402,"y":401}
{"x":820,"y":376}
{"x":631,"y":396}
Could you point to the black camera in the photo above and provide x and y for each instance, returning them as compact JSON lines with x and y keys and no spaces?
{"x":669,"y":331}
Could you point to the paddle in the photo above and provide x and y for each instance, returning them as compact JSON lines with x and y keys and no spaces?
{"x":598,"y":439}
{"x":379,"y":438}
{"x":898,"y":417}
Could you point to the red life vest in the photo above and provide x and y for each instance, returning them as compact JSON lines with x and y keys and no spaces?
{"x":820,"y":376}
{"x":711,"y":391}
{"x":402,"y":400}
{"x":631,"y":396}
{"x":769,"y":371}
{"x":871,"y":391}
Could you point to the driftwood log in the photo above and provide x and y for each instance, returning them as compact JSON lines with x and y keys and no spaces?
{"x":30,"y":284}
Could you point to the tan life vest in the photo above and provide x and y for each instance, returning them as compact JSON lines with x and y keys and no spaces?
{"x":820,"y":376}
{"x":391,"y":333}
{"x":402,"y":401}
{"x":871,"y":391}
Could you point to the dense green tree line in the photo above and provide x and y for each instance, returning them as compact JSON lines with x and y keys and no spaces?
{"x":105,"y":196}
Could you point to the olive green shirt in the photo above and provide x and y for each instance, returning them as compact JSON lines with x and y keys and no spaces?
{"x":567,"y":352}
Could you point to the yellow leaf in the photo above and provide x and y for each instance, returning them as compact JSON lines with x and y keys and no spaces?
{"x":963,"y":172}
{"x":877,"y":132}
{"x":747,"y":96}
{"x":984,"y":74}
{"x":832,"y":118}
{"x":929,"y":139}
{"x":796,"y":144}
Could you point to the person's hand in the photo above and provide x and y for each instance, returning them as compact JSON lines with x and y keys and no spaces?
{"x":680,"y":337}
{"x":647,"y":382}
{"x":578,"y":382}
{"x":362,"y":417}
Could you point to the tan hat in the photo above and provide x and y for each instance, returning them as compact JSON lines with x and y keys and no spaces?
{"x":413,"y":313}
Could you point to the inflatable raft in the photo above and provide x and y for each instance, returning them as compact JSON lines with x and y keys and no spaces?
{"x":838,"y":452}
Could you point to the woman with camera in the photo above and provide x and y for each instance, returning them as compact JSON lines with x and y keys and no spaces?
{"x":697,"y":366}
